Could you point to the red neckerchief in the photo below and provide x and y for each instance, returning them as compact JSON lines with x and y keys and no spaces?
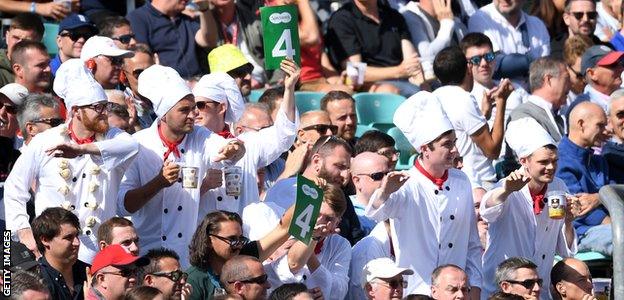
{"x":78,"y":140}
{"x":538,"y":200}
{"x":437,"y":181}
{"x":319,"y":245}
{"x":225,"y":133}
{"x":172,"y":147}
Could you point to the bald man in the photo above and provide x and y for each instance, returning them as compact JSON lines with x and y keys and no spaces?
{"x":367,"y":171}
{"x":255,"y":117}
{"x":613,"y":150}
{"x":244,"y":276}
{"x":449,"y":282}
{"x":571,"y":280}
{"x":585,"y":173}
{"x":313,"y":125}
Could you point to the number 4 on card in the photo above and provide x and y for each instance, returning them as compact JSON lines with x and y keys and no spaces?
{"x":307,"y":207}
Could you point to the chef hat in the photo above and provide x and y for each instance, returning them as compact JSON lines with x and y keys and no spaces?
{"x":163,"y":86}
{"x":222,"y":88}
{"x":75,"y":84}
{"x":525,"y":135}
{"x":421,"y":119}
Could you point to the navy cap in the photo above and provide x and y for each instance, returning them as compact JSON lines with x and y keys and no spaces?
{"x":74,"y":21}
{"x":599,"y":55}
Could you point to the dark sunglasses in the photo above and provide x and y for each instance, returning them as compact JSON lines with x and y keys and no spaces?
{"x":76,"y":35}
{"x":322,"y":128}
{"x":591,"y":15}
{"x":262,"y":279}
{"x":236,"y":242}
{"x":50,"y":121}
{"x":203,"y":104}
{"x":175,"y":276}
{"x":476,"y":60}
{"x":375,"y":176}
{"x":578,"y":75}
{"x":124,"y":39}
{"x":527,"y":284}
{"x":12,"y":109}
{"x":115,"y":61}
{"x":98,"y":107}
{"x":394,"y":284}
{"x":124,"y":273}
{"x":137,"y":72}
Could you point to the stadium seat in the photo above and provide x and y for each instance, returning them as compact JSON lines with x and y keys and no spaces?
{"x":307,"y":101}
{"x":361,"y":129}
{"x":254,"y":96}
{"x":49,"y":38}
{"x":405,"y":148}
{"x":377,"y":109}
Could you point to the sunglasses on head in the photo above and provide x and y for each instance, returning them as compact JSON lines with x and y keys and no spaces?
{"x":234,"y":242}
{"x":262,"y":279}
{"x":591,"y":15}
{"x":389,"y":153}
{"x":50,"y":121}
{"x":174,"y":276}
{"x":527,"y":284}
{"x":322,"y":128}
{"x":476,"y":60}
{"x":124,"y":39}
{"x":76,"y":35}
{"x":12,"y":109}
{"x":375,"y":176}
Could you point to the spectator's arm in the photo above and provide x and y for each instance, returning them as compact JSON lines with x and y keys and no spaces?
{"x":272,"y":241}
{"x":309,"y":33}
{"x":53,"y":10}
{"x":490,"y":142}
{"x":374,"y":74}
{"x":206,"y":36}
{"x":299,"y":256}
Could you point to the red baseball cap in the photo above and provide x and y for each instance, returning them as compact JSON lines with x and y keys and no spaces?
{"x":115,"y":255}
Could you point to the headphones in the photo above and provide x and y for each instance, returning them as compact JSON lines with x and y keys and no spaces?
{"x":123,"y":79}
{"x":91,"y":65}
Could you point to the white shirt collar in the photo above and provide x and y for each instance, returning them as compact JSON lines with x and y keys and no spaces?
{"x":597,"y":97}
{"x":541,"y":102}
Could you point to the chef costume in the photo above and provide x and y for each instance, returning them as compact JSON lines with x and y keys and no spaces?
{"x":86,"y":185}
{"x":520,"y":226}
{"x":432,"y":223}
{"x":262,"y":147}
{"x":170,"y":218}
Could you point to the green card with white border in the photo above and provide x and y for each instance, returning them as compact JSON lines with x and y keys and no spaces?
{"x":307,"y":208}
{"x":280,"y":34}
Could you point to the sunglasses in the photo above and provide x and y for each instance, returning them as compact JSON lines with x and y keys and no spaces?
{"x":50,"y":121}
{"x":375,"y":176}
{"x":76,"y":35}
{"x":203,"y":104}
{"x":175,"y":276}
{"x":394,"y":284}
{"x":591,"y":15}
{"x":115,"y":61}
{"x":236,"y":242}
{"x":322,"y":128}
{"x":389,"y":153}
{"x":124,"y":39}
{"x":262,"y":279}
{"x":98,"y":107}
{"x":578,"y":75}
{"x":124,"y":273}
{"x":137,"y":72}
{"x":12,"y":109}
{"x":527,"y":284}
{"x":476,"y":60}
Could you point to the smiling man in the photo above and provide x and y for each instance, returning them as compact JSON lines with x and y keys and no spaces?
{"x":30,"y":62}
{"x":24,"y":26}
{"x":74,"y":31}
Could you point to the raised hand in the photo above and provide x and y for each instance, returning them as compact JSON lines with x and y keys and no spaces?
{"x":292,"y":73}
{"x":516,"y":180}
{"x":233,"y":150}
{"x":393,"y":181}
{"x":442,"y":9}
{"x":66,"y":150}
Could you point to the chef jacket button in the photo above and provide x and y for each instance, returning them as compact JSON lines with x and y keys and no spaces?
{"x":164,"y":238}
{"x":166,"y":210}
{"x":179,"y":179}
{"x":439,"y":246}
{"x":182,"y":151}
{"x":452,"y":217}
{"x":450,"y":245}
{"x":447,"y":188}
{"x":88,"y":232}
{"x":440,"y":218}
{"x":219,"y":198}
{"x":180,"y":208}
{"x":305,"y":277}
{"x":546,"y":228}
{"x":435,"y":192}
{"x":180,"y":234}
{"x":543,"y":256}
{"x":84,"y":175}
{"x":74,"y":179}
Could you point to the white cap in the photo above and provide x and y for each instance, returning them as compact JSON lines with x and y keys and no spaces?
{"x":421,"y":119}
{"x":163,"y":86}
{"x":15,"y":92}
{"x":75,"y":84}
{"x":101,"y":45}
{"x":382,"y":268}
{"x":222,"y":88}
{"x":525,"y":136}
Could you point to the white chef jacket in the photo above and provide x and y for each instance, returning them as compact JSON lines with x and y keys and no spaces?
{"x":507,"y":38}
{"x":515,"y":230}
{"x":261,"y":148}
{"x":376,"y":245}
{"x":432,"y":227}
{"x":170,"y":218}
{"x":118,"y":150}
{"x":331,"y":276}
{"x":463,"y":112}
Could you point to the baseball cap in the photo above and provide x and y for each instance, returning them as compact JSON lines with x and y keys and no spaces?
{"x":74,"y":21}
{"x":382,"y":268}
{"x":22,"y":259}
{"x":15,"y":92}
{"x":599,"y":55}
{"x":101,"y":45}
{"x":117,"y":256}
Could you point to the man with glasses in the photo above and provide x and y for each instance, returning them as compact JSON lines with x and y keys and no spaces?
{"x":229,"y":59}
{"x":449,"y":282}
{"x":38,"y":113}
{"x":118,"y":29}
{"x":244,"y":276}
{"x":580,"y":17}
{"x":104,"y":59}
{"x":367,"y":171}
{"x":164,"y":273}
{"x":77,"y":165}
{"x":74,"y":31}
{"x":378,"y":142}
{"x":518,"y":276}
{"x":131,"y":69}
{"x":382,"y":280}
{"x":254,"y":118}
{"x":30,"y":63}
{"x":114,"y":272}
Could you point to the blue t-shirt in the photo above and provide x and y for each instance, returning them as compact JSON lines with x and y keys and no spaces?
{"x":173,"y":39}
